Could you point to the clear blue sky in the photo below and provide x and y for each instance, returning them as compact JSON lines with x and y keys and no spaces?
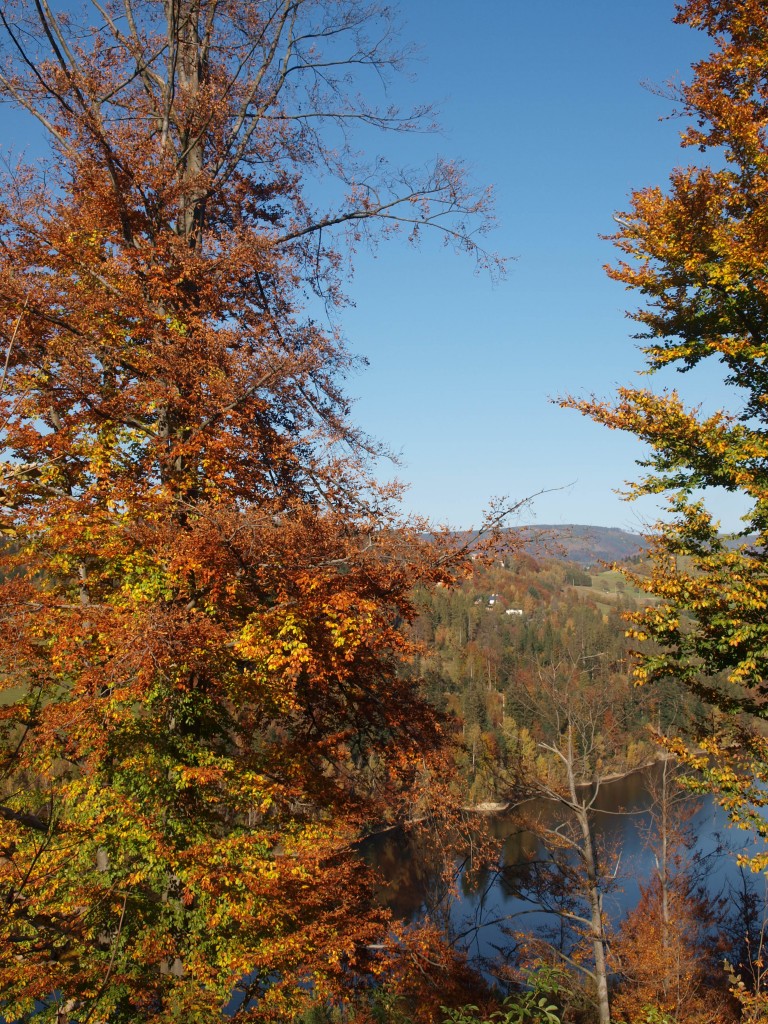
{"x":547,"y":102}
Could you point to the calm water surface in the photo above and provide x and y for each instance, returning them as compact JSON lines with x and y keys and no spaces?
{"x":492,"y":904}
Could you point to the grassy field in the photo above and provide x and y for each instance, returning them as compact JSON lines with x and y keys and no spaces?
{"x":611,"y":589}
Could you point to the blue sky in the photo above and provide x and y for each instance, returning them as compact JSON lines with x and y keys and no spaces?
{"x":546,"y":101}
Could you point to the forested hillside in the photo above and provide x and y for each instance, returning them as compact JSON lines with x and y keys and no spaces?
{"x":588,"y":546}
{"x":518,"y":627}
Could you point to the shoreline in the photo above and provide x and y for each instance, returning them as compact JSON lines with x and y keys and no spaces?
{"x":489,"y":807}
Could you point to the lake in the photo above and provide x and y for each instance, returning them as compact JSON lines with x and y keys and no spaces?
{"x":498,"y":901}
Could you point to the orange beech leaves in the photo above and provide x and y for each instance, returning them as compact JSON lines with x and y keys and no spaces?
{"x":698,"y":252}
{"x":203,"y":586}
{"x":668,"y":951}
{"x":670,"y":966}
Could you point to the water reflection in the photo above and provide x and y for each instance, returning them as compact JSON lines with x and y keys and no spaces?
{"x":526,"y":889}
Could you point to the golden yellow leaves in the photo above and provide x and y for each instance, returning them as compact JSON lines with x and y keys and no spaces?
{"x":279,"y":647}
{"x":349,"y":621}
{"x":274,"y":659}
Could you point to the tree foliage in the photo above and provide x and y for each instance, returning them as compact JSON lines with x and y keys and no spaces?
{"x":202,"y":583}
{"x":668,"y":950}
{"x":697,"y":253}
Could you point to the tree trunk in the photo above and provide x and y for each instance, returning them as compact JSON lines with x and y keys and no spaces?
{"x":598,"y":930}
{"x":594,"y":896}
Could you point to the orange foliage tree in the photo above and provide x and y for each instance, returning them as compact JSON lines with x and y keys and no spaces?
{"x":202,"y":583}
{"x":698,"y":252}
{"x":670,"y":966}
{"x":668,"y":950}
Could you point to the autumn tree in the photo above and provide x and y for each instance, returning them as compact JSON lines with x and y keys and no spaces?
{"x":202,"y":583}
{"x":669,"y":948}
{"x":697,"y":251}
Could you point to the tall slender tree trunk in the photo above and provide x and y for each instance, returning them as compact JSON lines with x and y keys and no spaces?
{"x":594,"y":896}
{"x":598,"y":929}
{"x":663,"y":866}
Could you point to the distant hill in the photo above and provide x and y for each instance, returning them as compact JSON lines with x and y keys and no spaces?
{"x":586,"y":545}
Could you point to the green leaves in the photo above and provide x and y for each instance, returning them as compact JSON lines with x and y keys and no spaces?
{"x":531,"y":1006}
